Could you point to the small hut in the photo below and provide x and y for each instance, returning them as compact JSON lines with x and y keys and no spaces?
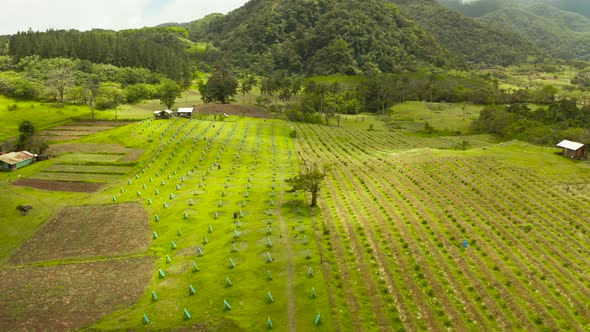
{"x":573,"y":150}
{"x":165,"y":114}
{"x":14,"y":160}
{"x":185,"y":112}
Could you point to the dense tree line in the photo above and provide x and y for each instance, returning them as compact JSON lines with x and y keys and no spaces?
{"x":544,"y":125}
{"x":163,"y":50}
{"x":100,"y":86}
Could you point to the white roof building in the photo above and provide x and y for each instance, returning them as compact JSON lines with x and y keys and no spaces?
{"x":574,"y":146}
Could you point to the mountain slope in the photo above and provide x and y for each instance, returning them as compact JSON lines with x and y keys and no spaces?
{"x":549,"y":31}
{"x":564,"y":34}
{"x":321,"y":37}
{"x":476,"y":41}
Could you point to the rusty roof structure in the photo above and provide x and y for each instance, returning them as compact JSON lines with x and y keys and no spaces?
{"x":13,"y":158}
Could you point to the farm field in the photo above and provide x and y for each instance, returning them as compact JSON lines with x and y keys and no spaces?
{"x":225,"y":246}
{"x":402,"y":218}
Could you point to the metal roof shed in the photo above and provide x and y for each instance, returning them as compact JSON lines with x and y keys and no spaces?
{"x":573,"y":150}
{"x":14,"y":160}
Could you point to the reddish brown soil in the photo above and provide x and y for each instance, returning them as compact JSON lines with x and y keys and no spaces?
{"x":88,"y":231}
{"x":69,"y":297}
{"x":71,"y":186}
{"x":235,"y":110}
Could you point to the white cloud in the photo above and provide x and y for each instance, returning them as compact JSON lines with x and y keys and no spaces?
{"x":20,"y":15}
{"x":190,"y":10}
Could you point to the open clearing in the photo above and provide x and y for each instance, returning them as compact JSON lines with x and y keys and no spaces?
{"x":88,"y":231}
{"x":234,"y":110}
{"x":68,"y":297}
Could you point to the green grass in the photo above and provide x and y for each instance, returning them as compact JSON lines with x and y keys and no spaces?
{"x":13,"y":111}
{"x":89,"y":157}
{"x":83,"y":177}
{"x":447,"y":116}
{"x":88,"y":169}
{"x":16,"y":229}
{"x":263,"y":147}
{"x":247,"y":296}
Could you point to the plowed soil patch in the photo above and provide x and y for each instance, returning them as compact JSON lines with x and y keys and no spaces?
{"x":70,"y":186}
{"x":88,"y":231}
{"x":68,"y":297}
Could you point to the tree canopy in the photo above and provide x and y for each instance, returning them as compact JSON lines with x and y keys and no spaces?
{"x":221,"y":85}
{"x":309,"y":179}
{"x":169,"y":91}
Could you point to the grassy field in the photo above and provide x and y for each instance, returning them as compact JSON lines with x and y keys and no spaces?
{"x":447,"y":116}
{"x":384,"y":251}
{"x":12,"y":112}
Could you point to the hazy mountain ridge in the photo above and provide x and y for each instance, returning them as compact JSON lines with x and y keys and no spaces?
{"x":564,"y":34}
{"x":471,"y":39}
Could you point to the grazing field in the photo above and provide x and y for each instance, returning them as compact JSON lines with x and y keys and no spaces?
{"x":88,"y":231}
{"x":13,"y":111}
{"x":71,"y":296}
{"x":78,"y":129}
{"x":442,"y":116}
{"x":413,"y":232}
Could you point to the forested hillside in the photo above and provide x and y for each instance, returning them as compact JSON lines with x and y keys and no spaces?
{"x":321,"y":37}
{"x":159,"y":49}
{"x":475,"y":41}
{"x":549,"y":24}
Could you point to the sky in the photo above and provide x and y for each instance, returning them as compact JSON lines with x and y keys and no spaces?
{"x":20,"y":15}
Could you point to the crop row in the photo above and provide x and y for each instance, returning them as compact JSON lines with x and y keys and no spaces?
{"x":524,"y":266}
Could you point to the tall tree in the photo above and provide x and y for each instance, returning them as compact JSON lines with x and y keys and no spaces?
{"x":309,"y":179}
{"x":245,"y":85}
{"x":59,"y":80}
{"x":27,"y":130}
{"x":169,"y":91}
{"x":221,"y":85}
{"x":91,"y":87}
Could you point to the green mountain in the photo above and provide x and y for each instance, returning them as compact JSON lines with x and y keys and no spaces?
{"x":562,"y":33}
{"x":475,"y":41}
{"x":320,"y":37}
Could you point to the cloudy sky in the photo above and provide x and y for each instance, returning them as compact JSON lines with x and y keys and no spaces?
{"x":20,"y":15}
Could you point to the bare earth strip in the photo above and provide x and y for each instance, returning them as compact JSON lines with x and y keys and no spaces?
{"x":100,"y":123}
{"x":82,"y":128}
{"x":88,"y":231}
{"x":88,"y":169}
{"x":70,"y":186}
{"x":132,"y":156}
{"x":87,"y":147}
{"x":74,"y":177}
{"x":68,"y":297}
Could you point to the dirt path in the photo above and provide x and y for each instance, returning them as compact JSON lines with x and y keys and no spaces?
{"x":288,"y":249}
